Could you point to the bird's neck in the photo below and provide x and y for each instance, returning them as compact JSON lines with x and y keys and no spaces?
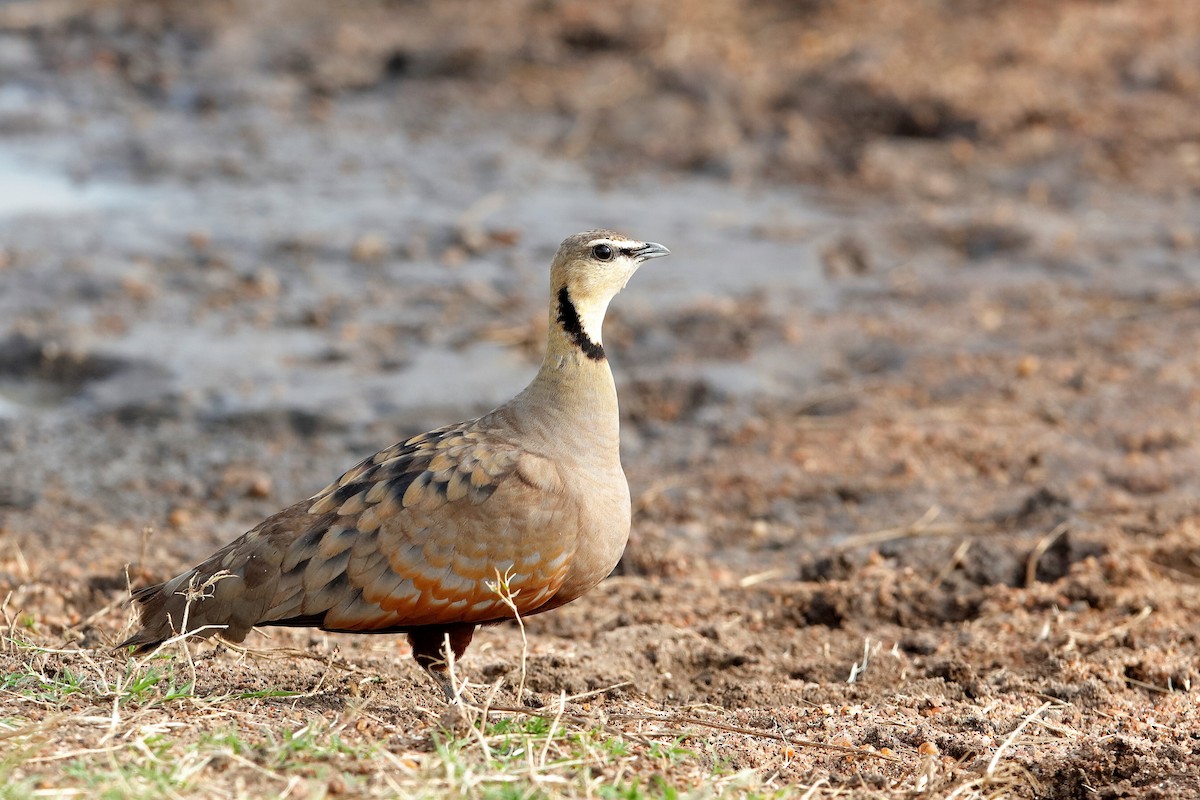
{"x":575,"y":380}
{"x":576,"y":325}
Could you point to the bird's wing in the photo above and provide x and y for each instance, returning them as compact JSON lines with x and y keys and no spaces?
{"x":446,"y":527}
{"x":435,"y":530}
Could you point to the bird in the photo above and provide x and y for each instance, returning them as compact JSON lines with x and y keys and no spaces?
{"x":516,"y":512}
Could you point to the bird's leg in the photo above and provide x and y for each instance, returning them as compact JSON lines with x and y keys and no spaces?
{"x":429,"y":649}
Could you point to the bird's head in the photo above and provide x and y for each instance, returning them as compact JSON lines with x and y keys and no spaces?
{"x":595,"y":265}
{"x":588,"y":271}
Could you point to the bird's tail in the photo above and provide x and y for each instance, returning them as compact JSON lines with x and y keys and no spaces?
{"x":178,"y":606}
{"x":151,"y":603}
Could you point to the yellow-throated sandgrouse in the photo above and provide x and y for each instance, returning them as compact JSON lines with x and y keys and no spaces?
{"x":416,"y":538}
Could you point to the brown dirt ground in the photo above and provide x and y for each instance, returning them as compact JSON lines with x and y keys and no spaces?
{"x":990,"y":494}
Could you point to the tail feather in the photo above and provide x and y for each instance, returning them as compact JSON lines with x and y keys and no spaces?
{"x":151,"y":604}
{"x":239,"y":586}
{"x":164,"y":610}
{"x":229,"y":593}
{"x":203,"y":601}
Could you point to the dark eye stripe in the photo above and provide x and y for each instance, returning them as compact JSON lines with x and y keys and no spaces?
{"x":626,"y":251}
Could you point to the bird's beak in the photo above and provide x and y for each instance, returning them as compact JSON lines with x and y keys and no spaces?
{"x":650,"y":250}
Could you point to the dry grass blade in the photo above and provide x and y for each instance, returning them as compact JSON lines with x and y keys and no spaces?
{"x":1115,"y":631}
{"x":1012,"y":737}
{"x":956,"y":560}
{"x":575,"y":719}
{"x":757,"y":733}
{"x":919,"y":527}
{"x":1040,"y":549}
{"x":503,"y":589}
{"x":292,"y":653}
{"x":29,"y":730}
{"x":811,"y":791}
{"x":761,"y":577}
{"x":101,"y":612}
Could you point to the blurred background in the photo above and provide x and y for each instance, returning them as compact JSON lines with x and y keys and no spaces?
{"x":922,"y":367}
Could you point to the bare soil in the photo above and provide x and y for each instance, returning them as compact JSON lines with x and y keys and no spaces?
{"x":910,"y":415}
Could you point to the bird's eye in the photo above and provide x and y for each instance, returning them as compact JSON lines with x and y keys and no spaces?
{"x":603,"y":252}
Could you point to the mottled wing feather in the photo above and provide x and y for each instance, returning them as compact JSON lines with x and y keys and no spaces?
{"x":428,"y":532}
{"x":443,"y":555}
{"x":418,"y":534}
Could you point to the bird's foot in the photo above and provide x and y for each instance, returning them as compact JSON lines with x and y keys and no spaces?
{"x":456,"y":693}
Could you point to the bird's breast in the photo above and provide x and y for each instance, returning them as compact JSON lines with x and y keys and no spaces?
{"x":600,"y":535}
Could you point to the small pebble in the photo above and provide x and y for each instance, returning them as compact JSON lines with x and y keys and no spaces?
{"x":369,"y":249}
